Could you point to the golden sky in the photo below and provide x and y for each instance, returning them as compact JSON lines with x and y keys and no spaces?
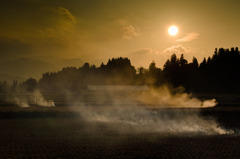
{"x":96,"y":30}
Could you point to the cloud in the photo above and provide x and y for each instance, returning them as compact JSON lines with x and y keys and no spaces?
{"x":143,"y":51}
{"x":37,"y":27}
{"x":177,"y":49}
{"x":189,"y":37}
{"x":65,"y":13}
{"x":62,"y":25}
{"x":39,"y":23}
{"x":128,"y":31}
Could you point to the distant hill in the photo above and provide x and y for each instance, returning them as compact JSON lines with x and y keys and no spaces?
{"x":71,"y":62}
{"x":25,"y":67}
{"x":59,"y":62}
{"x":10,"y":78}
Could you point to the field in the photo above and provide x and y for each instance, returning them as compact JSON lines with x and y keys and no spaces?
{"x":62,"y":133}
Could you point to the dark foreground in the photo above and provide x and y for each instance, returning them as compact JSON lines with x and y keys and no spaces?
{"x":51,"y":134}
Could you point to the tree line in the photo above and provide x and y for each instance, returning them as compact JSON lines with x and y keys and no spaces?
{"x":219,"y":73}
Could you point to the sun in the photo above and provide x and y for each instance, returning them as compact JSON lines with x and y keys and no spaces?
{"x":173,"y":30}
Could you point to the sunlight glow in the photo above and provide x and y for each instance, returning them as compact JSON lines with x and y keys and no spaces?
{"x":173,"y":30}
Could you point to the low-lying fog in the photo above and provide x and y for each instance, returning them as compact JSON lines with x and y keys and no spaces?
{"x":152,"y":110}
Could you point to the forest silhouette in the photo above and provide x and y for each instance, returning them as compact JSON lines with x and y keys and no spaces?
{"x":217,"y":74}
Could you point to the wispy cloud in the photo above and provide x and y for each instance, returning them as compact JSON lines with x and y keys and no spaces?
{"x":177,"y":49}
{"x":128,"y":30}
{"x":142,"y":51}
{"x":65,"y":13}
{"x":62,"y":26}
{"x":189,"y":37}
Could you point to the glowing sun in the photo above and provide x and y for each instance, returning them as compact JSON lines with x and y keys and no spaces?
{"x":173,"y":30}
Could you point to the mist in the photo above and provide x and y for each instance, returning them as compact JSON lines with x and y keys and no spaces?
{"x":153,"y":111}
{"x":166,"y":97}
{"x":33,"y":98}
{"x":136,"y":109}
{"x":151,"y":121}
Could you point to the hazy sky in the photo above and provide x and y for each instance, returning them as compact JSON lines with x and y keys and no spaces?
{"x":96,"y":30}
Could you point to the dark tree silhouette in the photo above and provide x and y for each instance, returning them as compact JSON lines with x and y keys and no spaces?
{"x":220,"y":73}
{"x":29,"y":85}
